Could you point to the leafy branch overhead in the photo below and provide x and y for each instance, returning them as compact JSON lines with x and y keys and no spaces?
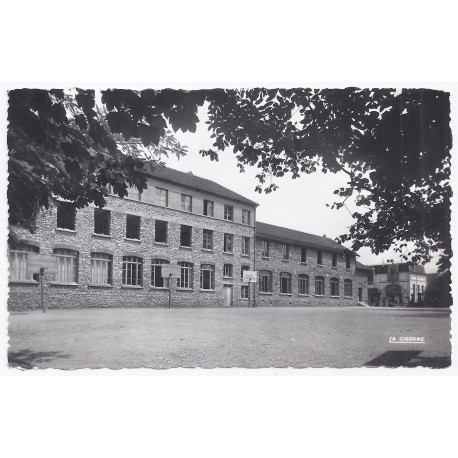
{"x":393,"y":146}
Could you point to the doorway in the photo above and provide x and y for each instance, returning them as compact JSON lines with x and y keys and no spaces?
{"x":227,"y":295}
{"x":360,"y":294}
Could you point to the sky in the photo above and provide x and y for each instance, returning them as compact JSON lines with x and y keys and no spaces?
{"x":298,"y":204}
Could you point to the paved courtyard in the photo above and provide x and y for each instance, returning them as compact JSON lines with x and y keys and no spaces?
{"x":228,"y":337}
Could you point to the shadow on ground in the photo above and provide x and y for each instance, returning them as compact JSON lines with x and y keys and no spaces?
{"x":409,"y":359}
{"x":29,"y":359}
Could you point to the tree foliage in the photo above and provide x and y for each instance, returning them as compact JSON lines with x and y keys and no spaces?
{"x":393,"y":146}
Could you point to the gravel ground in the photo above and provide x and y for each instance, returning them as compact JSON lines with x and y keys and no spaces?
{"x":223,"y":337}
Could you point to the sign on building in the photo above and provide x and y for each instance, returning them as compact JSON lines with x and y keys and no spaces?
{"x":250,"y":276}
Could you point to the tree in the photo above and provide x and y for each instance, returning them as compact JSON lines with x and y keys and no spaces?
{"x":438,"y":291}
{"x":393,"y":146}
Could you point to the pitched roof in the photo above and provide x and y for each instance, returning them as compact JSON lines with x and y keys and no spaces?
{"x":362,"y":266}
{"x":283,"y":234}
{"x":196,"y":182}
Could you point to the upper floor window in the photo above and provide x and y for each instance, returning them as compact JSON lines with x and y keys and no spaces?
{"x":265,"y":251}
{"x":228,"y":243}
{"x":162,"y":197}
{"x":229,"y":213}
{"x":66,"y":216}
{"x":185,"y":279}
{"x":348,"y":288}
{"x":319,"y":257}
{"x":347,"y":261}
{"x":227,"y":270}
{"x":67,"y":265}
{"x":157,"y":280}
{"x":334,"y":260}
{"x":208,"y":207}
{"x":134,"y":193}
{"x":133,"y":227}
{"x":265,"y":281}
{"x":207,"y":276}
{"x":18,"y":262}
{"x":185,"y":235}
{"x":303,"y":254}
{"x":285,"y":283}
{"x":334,"y":284}
{"x":102,"y":221}
{"x":207,"y":239}
{"x":101,"y":268}
{"x":319,"y":286}
{"x":186,"y":203}
{"x":246,"y":245}
{"x":246,"y":217}
{"x":243,"y":269}
{"x":132,"y":271}
{"x":303,"y":284}
{"x":285,"y":252}
{"x":160,"y":231}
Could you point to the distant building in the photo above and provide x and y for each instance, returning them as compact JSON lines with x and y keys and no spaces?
{"x":397,"y":284}
{"x":113,"y":257}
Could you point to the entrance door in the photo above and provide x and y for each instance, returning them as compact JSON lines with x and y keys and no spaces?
{"x":227,"y":295}
{"x":360,"y":294}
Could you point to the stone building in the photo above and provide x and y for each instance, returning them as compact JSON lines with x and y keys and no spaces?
{"x":113,"y":257}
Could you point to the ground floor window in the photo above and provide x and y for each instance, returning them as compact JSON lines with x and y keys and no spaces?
{"x":319,"y":286}
{"x":18,"y":262}
{"x":334,"y":284}
{"x":285,"y":283}
{"x":207,"y":276}
{"x":244,"y":292}
{"x":185,"y":280}
{"x":303,"y":284}
{"x":348,"y":288}
{"x":265,"y":281}
{"x":101,"y":268}
{"x":67,"y":265}
{"x":132,"y":271}
{"x":156,"y":273}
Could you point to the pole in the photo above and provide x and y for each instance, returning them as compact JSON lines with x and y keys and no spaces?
{"x":249,"y":291}
{"x":42,"y":274}
{"x":170,"y":291}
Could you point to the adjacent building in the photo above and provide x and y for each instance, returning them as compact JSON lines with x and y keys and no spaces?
{"x":113,"y":257}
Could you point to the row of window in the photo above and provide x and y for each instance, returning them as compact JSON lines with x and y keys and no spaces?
{"x":265,"y":253}
{"x":133,"y":223}
{"x":162,"y":199}
{"x":303,"y":284}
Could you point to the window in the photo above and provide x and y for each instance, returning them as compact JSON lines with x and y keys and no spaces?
{"x":186,"y":203}
{"x":334,"y":284}
{"x":348,"y":288}
{"x":303,"y":284}
{"x":132,"y":271}
{"x":102,"y":221}
{"x":160,"y":235}
{"x":319,"y":258}
{"x":229,"y":213}
{"x":228,"y":243}
{"x":244,"y":292}
{"x":265,"y":281}
{"x":245,"y":217}
{"x":18,"y":262}
{"x":101,"y":269}
{"x":66,"y":216}
{"x":162,"y":197}
{"x":319,"y":286}
{"x":347,"y":261}
{"x":207,"y":276}
{"x":185,"y":235}
{"x":133,"y":193}
{"x":227,"y":270}
{"x":243,"y":269}
{"x":265,"y":249}
{"x":285,"y":252}
{"x":185,"y":280}
{"x":67,"y":265}
{"x":303,"y":254}
{"x":334,"y":260}
{"x":156,"y":273}
{"x":285,"y":283}
{"x":207,"y":241}
{"x":132,"y":227}
{"x":208,"y":207}
{"x":246,"y":245}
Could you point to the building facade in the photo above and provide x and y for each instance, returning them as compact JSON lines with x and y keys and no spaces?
{"x":113,"y":257}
